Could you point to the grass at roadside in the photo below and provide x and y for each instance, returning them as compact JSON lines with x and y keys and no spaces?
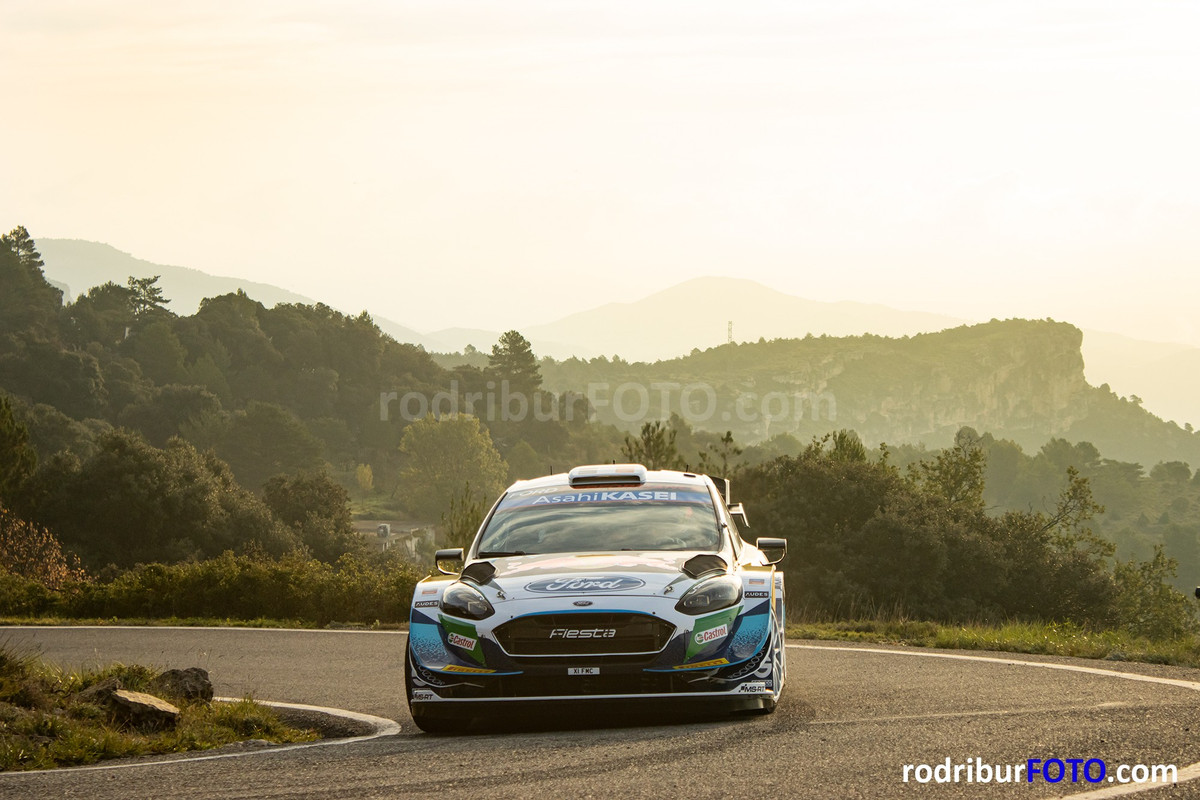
{"x":47,"y":720}
{"x":1056,"y":639}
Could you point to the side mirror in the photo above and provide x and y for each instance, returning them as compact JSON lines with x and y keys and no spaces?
{"x":455,"y":554}
{"x":738,"y":512}
{"x":773,"y":549}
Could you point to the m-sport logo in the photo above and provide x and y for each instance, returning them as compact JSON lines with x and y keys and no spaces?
{"x":590,"y":583}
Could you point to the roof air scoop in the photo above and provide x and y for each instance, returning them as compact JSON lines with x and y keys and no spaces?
{"x":607,"y":475}
{"x":704,"y":564}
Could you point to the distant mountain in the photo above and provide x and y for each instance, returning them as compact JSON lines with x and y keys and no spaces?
{"x":1016,"y":379}
{"x":79,"y":265}
{"x":671,"y":323}
{"x":696,"y":314}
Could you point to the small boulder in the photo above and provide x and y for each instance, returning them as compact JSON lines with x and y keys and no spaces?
{"x":190,"y":685}
{"x":99,"y":693}
{"x":144,"y":710}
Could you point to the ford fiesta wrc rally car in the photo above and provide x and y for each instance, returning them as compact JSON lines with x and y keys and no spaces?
{"x":608,"y":583}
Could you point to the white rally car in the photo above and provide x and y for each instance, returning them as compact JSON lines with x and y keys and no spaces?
{"x":611,"y":583}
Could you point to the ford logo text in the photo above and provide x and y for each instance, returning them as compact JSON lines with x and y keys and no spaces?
{"x":589,"y":583}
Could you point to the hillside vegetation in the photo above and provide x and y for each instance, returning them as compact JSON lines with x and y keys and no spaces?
{"x":154,"y":464}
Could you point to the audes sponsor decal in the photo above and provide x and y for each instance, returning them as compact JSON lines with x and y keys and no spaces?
{"x":716,"y":662}
{"x":465,"y":642}
{"x":427,"y":604}
{"x":468,"y":670}
{"x":712,"y":634}
{"x":586,"y":583}
{"x":753,"y":595}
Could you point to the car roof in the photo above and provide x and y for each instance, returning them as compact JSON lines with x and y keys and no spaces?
{"x":653,"y":476}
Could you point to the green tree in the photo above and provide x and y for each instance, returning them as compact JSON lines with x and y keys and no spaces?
{"x":317,"y":509}
{"x":156,"y":349}
{"x":1176,"y":472}
{"x":462,"y":518}
{"x":512,"y":360}
{"x":956,"y":473}
{"x":147,"y":297}
{"x":720,"y":458}
{"x":654,"y":448}
{"x":29,"y":305}
{"x":172,"y":410}
{"x":44,"y":372}
{"x":524,"y":462}
{"x":364,"y":476}
{"x":441,"y":456}
{"x":131,"y":503}
{"x":846,"y":446}
{"x":22,"y":245}
{"x":104,"y":315}
{"x":1146,"y":603}
{"x":266,"y":440}
{"x":17,"y":457}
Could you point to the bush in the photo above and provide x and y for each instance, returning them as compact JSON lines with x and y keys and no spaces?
{"x":33,"y":552}
{"x":247,"y":587}
{"x":131,"y":502}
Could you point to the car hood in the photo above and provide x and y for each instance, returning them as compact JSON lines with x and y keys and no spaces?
{"x":556,"y":575}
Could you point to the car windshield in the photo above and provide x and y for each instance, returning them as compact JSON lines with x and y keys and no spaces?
{"x":565,"y":520}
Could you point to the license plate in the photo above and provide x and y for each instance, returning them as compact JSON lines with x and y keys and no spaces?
{"x":583,"y":670}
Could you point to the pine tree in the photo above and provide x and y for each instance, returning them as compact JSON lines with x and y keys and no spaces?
{"x":29,"y":305}
{"x":512,"y":359}
{"x":147,"y":296}
{"x":20,"y":242}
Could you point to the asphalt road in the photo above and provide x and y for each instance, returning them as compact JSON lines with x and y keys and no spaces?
{"x":851,"y":718}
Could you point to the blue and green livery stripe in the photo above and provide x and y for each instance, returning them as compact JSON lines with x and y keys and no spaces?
{"x":457,"y":636}
{"x":707,"y":631}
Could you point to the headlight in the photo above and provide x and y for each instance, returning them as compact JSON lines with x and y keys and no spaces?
{"x":713,"y":594}
{"x":463,"y":601}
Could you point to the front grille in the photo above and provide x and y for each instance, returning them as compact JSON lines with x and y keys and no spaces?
{"x":599,"y":633}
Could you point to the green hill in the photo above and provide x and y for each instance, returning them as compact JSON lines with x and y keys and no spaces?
{"x":1018,"y":379}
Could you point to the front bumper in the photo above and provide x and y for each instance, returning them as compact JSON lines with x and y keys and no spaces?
{"x":654,"y":654}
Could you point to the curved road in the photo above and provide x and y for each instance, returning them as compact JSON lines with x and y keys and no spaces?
{"x":850,"y":719}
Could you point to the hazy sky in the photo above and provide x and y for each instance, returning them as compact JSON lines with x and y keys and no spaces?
{"x":503,"y":164}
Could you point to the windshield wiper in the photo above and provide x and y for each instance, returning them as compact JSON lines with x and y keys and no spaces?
{"x":502,"y":553}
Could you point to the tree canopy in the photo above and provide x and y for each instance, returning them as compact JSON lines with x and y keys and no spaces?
{"x":441,"y":456}
{"x":512,"y":360}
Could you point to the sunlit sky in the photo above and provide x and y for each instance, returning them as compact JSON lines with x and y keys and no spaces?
{"x":503,"y":164}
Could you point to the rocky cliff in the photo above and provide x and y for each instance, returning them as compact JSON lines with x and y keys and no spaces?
{"x":1018,"y":379}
